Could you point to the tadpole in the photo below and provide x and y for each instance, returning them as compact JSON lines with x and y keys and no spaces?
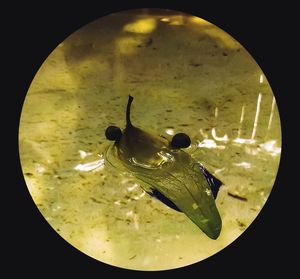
{"x":165,"y":171}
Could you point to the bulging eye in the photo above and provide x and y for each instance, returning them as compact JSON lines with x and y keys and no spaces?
{"x":180,"y":140}
{"x":113,"y":133}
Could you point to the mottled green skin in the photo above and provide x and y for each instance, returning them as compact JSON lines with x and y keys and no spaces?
{"x":173,"y":173}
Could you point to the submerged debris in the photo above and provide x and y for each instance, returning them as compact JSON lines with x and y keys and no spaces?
{"x":149,"y":42}
{"x":237,"y":197}
{"x":240,"y":224}
{"x":95,"y":200}
{"x":183,"y":125}
{"x":195,"y":64}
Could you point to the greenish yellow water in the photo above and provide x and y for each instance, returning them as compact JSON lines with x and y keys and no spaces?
{"x":186,"y":75}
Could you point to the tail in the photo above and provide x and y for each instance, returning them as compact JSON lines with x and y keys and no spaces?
{"x":128,"y":122}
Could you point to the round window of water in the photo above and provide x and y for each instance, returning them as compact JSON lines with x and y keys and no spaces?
{"x":135,"y":195}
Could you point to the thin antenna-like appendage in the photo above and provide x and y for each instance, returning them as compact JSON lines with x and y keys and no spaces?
{"x":128,"y":122}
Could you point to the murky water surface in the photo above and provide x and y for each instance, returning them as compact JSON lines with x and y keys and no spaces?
{"x":186,"y":75}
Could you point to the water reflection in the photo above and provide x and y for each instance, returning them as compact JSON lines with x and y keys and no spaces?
{"x":144,"y":26}
{"x":214,"y":135}
{"x":270,"y":146}
{"x":256,"y":117}
{"x":210,"y":143}
{"x":271,"y":114}
{"x":245,"y":165}
{"x":91,"y":166}
{"x":170,"y":132}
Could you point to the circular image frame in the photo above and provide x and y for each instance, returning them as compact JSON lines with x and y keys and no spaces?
{"x":64,"y":106}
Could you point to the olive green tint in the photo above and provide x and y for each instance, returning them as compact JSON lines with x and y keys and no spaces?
{"x":186,"y":76}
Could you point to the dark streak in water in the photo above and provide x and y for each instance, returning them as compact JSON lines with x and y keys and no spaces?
{"x":95,"y":200}
{"x":240,"y":224}
{"x":132,"y":257}
{"x":237,"y":197}
{"x":149,"y":42}
{"x":184,"y":125}
{"x":195,"y":64}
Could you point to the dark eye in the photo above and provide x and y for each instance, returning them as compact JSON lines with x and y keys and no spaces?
{"x":113,"y":133}
{"x":180,"y":140}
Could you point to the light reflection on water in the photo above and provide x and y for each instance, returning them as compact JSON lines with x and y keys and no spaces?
{"x":269,"y":146}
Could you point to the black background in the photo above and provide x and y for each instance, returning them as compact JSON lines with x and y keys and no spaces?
{"x":31,"y":32}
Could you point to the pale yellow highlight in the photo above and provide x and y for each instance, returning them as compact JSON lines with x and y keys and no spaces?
{"x":143,"y":26}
